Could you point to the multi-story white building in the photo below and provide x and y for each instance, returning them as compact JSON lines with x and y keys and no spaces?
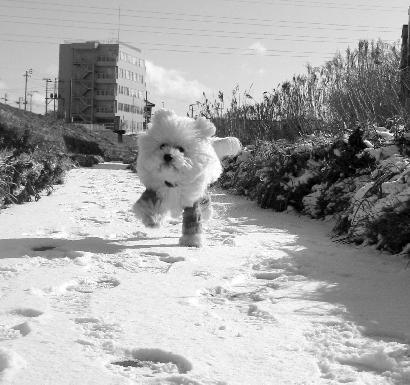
{"x":102,"y":83}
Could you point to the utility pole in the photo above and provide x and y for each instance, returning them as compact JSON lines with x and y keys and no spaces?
{"x":55,"y":96}
{"x":47,"y":80}
{"x":5,"y":98}
{"x":191,"y":108}
{"x":26,"y":75}
{"x":71,"y":102}
{"x":146,"y":110}
{"x":19,"y":102}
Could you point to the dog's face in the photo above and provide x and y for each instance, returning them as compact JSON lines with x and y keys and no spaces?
{"x":176,"y":150}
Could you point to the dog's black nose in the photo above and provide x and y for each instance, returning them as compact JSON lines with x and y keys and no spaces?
{"x":167,"y":157}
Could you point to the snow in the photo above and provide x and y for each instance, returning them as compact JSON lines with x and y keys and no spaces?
{"x":90,"y":296}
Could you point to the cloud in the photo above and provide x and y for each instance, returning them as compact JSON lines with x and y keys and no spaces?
{"x":52,"y":70}
{"x":258,"y":47}
{"x":3,"y":85}
{"x":38,"y":100}
{"x":172,"y":83}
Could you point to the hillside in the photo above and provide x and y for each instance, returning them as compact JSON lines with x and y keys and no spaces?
{"x":70,"y":138}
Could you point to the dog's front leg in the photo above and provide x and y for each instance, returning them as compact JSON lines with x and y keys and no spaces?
{"x":191,"y":227}
{"x":148,"y":209}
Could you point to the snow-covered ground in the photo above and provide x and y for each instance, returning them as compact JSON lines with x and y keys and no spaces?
{"x":90,"y":296}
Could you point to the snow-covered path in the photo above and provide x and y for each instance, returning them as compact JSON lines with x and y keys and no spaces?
{"x":89,"y":296}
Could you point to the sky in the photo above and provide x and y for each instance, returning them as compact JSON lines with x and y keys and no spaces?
{"x":190,"y":46}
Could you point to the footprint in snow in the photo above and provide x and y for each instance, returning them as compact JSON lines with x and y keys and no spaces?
{"x":219,"y":295}
{"x":164,"y":257}
{"x":90,"y":285}
{"x":181,"y":380}
{"x":23,"y":328}
{"x":10,"y":363}
{"x":283,"y":264}
{"x":140,"y":235}
{"x":149,"y":362}
{"x":255,"y":312}
{"x":201,"y":273}
{"x":8,"y":271}
{"x":20,"y":330}
{"x":94,"y":220}
{"x":155,"y":254}
{"x":267,"y":275}
{"x":97,"y":330}
{"x":231,"y":230}
{"x":26,"y":312}
{"x":169,"y":259}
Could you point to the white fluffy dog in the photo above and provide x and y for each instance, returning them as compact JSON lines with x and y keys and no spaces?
{"x":177,"y":162}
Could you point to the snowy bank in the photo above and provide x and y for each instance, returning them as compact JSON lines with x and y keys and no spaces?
{"x":362,"y":181}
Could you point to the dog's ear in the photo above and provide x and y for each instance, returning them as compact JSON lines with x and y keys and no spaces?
{"x":205,"y":127}
{"x":161,"y":116}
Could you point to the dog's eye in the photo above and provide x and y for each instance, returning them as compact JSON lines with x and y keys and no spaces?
{"x":162,"y":146}
{"x":181,"y":149}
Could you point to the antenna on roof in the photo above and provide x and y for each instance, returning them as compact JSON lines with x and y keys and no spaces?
{"x":119,"y":24}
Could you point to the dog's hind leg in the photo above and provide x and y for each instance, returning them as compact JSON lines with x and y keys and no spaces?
{"x":192,"y":227}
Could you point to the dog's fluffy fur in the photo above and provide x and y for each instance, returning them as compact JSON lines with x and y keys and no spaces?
{"x":176,"y":162}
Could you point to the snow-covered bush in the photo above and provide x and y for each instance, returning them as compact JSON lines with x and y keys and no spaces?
{"x":23,"y":176}
{"x":29,"y":163}
{"x":362,"y":180}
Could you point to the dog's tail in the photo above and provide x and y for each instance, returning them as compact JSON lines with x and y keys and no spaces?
{"x":229,"y":146}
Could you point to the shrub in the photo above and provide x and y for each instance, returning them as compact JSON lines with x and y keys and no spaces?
{"x":392,"y":229}
{"x":365,"y":189}
{"x":24,"y":176}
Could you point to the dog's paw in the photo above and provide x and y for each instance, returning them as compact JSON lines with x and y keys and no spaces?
{"x":150,"y":221}
{"x":191,"y":240}
{"x":147,"y":208}
{"x":147,"y":217}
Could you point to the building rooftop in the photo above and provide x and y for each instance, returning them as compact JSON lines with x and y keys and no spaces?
{"x":114,"y":41}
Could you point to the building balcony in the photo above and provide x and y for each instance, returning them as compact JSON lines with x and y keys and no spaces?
{"x":105,"y":80}
{"x":106,"y":63}
{"x":104,"y":115}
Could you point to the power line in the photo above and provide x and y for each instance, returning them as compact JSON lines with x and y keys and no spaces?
{"x":300,"y":3}
{"x":208,"y":50}
{"x":190,"y":34}
{"x":115,"y":28}
{"x":231,"y":21}
{"x":272,"y":37}
{"x":314,"y":4}
{"x":216,"y":47}
{"x":279,"y":51}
